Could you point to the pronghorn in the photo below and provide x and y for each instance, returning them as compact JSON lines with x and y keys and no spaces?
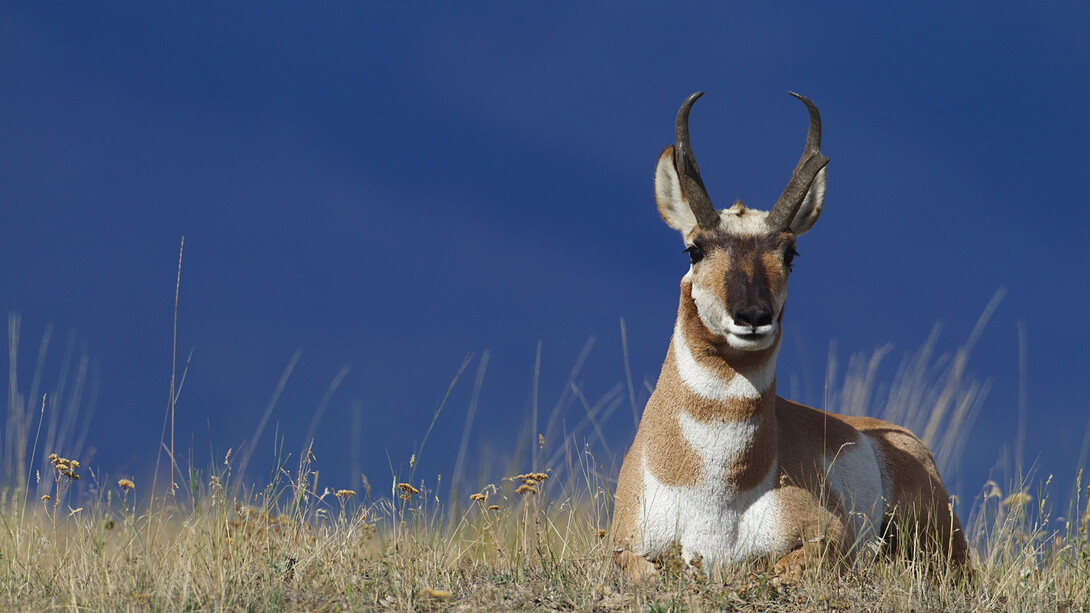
{"x":723,"y":468}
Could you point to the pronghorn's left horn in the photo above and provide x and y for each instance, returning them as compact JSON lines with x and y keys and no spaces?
{"x":692,"y":186}
{"x":810,"y":164}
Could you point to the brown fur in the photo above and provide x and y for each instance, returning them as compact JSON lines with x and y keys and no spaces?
{"x":801,"y":437}
{"x":744,"y":264}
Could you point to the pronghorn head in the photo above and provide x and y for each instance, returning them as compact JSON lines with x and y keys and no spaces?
{"x":741,"y":257}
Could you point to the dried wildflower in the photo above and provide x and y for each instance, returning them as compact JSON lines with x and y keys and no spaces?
{"x":477,"y":497}
{"x":601,"y":534}
{"x":494,"y":507}
{"x":125,"y":484}
{"x":1017,"y":500}
{"x":526,"y":489}
{"x":407,"y":490}
{"x":64,"y":467}
{"x":46,"y":498}
{"x":345,"y":494}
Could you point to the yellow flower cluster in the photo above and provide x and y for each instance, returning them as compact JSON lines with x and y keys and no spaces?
{"x":64,"y":466}
{"x":530,"y":482}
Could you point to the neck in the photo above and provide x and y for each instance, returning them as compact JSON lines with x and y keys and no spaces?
{"x":729,"y":383}
{"x":721,"y":415}
{"x":722,"y":384}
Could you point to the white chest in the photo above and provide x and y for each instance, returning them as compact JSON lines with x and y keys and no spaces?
{"x":711,"y":519}
{"x":722,"y":524}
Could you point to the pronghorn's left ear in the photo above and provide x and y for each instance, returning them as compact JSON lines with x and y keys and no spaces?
{"x":672,"y":205}
{"x":810,"y":209}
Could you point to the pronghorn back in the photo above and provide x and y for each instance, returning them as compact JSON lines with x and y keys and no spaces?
{"x":723,"y":468}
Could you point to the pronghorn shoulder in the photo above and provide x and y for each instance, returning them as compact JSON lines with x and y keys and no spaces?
{"x":811,"y":429}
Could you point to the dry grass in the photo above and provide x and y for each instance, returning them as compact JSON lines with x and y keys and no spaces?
{"x":535,"y":541}
{"x":515,"y":547}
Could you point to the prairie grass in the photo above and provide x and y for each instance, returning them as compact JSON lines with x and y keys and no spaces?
{"x":536,"y":540}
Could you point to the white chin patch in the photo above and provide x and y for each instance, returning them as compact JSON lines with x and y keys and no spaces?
{"x":750,"y":338}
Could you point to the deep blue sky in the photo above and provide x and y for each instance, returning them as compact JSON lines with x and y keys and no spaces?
{"x":393,"y":188}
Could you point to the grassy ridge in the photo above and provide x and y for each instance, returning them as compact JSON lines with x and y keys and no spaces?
{"x":292,"y":547}
{"x":71,"y":539}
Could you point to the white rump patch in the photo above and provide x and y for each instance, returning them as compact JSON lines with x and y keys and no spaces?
{"x":855,"y":476}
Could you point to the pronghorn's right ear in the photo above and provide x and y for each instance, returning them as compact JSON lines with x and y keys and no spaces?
{"x":810,"y":209}
{"x":673,"y":207}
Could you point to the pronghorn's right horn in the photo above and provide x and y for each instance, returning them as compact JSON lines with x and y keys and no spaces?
{"x":692,"y":186}
{"x":810,"y":164}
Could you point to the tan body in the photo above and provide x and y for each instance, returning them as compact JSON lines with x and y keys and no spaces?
{"x":723,"y":470}
{"x":801,"y":460}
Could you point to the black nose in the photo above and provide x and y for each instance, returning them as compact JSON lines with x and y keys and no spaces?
{"x":754,"y":316}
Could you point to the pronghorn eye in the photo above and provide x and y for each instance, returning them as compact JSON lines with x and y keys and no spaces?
{"x":789,"y":257}
{"x":695,"y":253}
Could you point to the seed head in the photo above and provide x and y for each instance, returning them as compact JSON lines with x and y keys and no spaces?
{"x":1017,"y":500}
{"x":125,"y":484}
